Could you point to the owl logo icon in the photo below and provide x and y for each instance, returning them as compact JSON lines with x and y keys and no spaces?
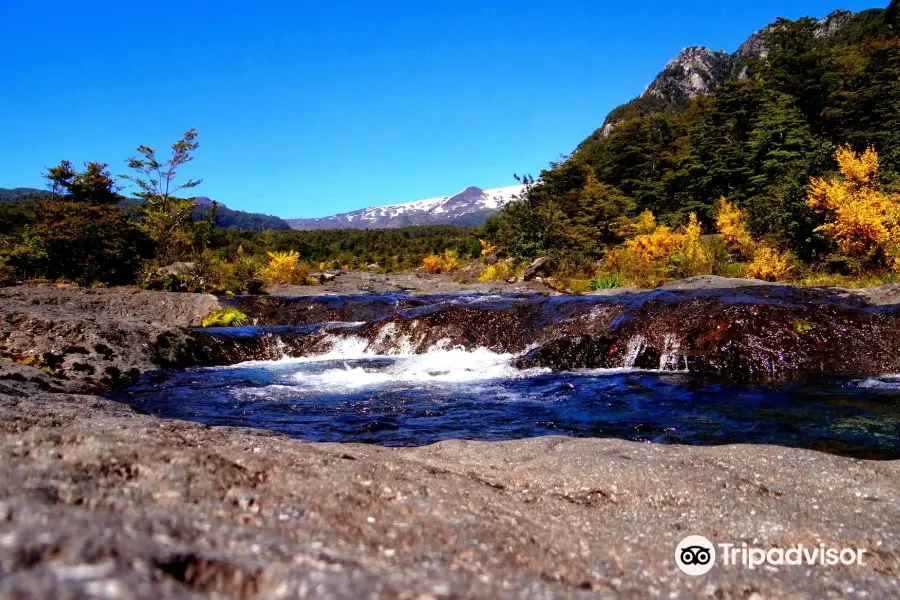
{"x":695,"y":555}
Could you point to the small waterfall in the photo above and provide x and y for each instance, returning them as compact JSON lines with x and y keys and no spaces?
{"x":635,"y":345}
{"x":671,"y":358}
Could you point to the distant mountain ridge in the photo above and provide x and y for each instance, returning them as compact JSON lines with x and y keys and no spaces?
{"x":19,"y":195}
{"x":226,"y":218}
{"x":470,"y":207}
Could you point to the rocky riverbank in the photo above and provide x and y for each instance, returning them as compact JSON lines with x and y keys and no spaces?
{"x":97,"y":500}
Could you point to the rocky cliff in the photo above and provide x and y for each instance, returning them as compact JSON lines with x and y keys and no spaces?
{"x":698,"y":71}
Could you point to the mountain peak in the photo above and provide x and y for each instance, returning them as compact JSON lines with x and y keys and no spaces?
{"x":469,"y":207}
{"x":202,"y":201}
{"x":471,"y":190}
{"x":469,"y":194}
{"x":695,"y":71}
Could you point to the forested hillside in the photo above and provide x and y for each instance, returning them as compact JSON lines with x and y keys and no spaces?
{"x":753,"y":127}
{"x":21,"y":195}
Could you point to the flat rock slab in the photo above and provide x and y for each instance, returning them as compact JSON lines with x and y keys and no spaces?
{"x":97,"y":500}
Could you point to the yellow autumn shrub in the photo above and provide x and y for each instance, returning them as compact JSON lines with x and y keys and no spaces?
{"x":441,"y":263}
{"x":646,"y":223}
{"x":731,"y":225}
{"x":862,"y":220}
{"x":487,"y":248}
{"x":499,"y":271}
{"x":658,"y":245}
{"x":285,"y":267}
{"x":450,"y":261}
{"x":432,"y":264}
{"x":768,"y":264}
{"x":692,"y":258}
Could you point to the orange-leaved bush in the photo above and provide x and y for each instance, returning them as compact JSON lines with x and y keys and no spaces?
{"x":450,"y":261}
{"x":499,"y":271}
{"x":862,"y":220}
{"x":441,"y":263}
{"x":692,"y":256}
{"x":661,"y":243}
{"x":487,"y":248}
{"x":646,"y":223}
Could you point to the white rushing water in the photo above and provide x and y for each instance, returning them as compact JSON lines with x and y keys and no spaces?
{"x":352,"y":364}
{"x":454,"y":366}
{"x":885,"y":382}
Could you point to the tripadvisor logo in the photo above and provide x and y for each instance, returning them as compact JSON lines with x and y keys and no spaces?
{"x":696,"y":555}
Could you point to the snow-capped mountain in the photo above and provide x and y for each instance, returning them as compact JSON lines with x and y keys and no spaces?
{"x":470,"y":207}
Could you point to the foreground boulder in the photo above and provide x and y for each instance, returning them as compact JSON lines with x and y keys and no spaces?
{"x":97,"y":336}
{"x":542,"y":267}
{"x":99,"y":501}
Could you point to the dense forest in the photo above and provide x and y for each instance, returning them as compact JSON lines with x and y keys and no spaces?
{"x":391,"y":249}
{"x":756,"y":140}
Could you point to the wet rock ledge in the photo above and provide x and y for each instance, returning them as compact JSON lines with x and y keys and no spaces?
{"x":97,"y":500}
{"x":733,"y":329}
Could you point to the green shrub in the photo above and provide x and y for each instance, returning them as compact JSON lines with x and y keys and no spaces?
{"x":81,"y":242}
{"x":224,"y":317}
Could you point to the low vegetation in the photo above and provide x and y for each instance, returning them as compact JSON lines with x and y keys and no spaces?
{"x":224,"y":317}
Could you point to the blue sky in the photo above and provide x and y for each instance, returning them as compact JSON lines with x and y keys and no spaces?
{"x":313,"y":108}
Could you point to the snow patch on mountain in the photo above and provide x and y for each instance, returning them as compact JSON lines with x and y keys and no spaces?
{"x":469,"y":207}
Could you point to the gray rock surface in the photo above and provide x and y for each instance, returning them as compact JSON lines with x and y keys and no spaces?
{"x":178,"y":268}
{"x":696,"y":71}
{"x":98,"y":501}
{"x":96,"y":336}
{"x":355,"y":282}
